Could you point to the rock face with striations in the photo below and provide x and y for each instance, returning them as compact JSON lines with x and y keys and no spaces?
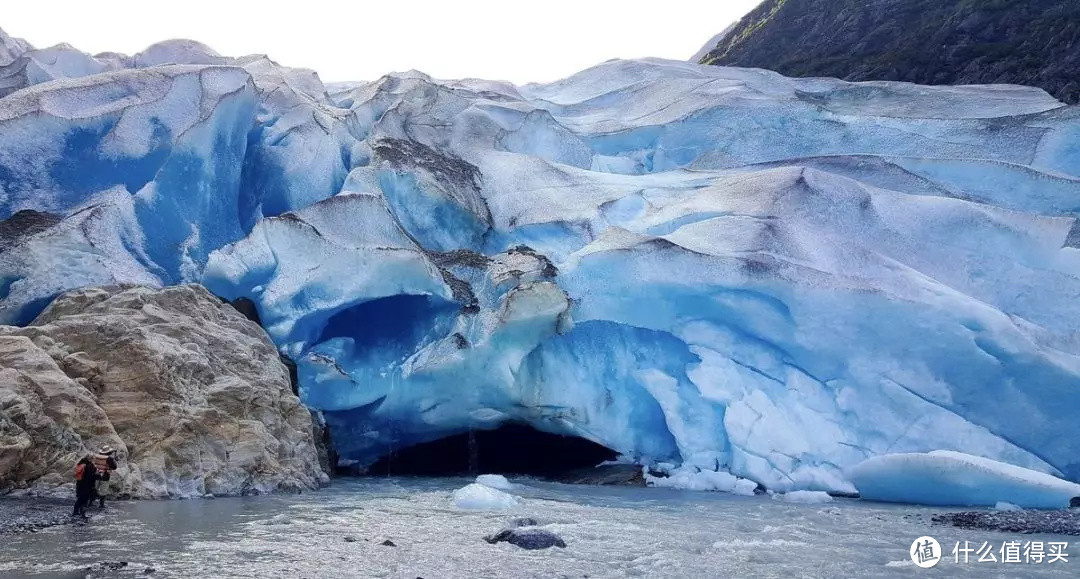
{"x":1032,"y":42}
{"x":191,"y":393}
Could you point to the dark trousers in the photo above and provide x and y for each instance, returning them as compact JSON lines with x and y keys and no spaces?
{"x":83,"y":495}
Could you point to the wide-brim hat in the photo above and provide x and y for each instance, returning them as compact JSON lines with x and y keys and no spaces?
{"x":107,"y":449}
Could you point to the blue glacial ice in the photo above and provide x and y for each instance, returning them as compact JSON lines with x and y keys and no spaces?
{"x":957,"y":479}
{"x":495,"y":481}
{"x":480,"y":497}
{"x":749,"y":278}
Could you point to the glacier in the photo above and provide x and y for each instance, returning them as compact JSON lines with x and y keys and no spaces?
{"x":753,"y":279}
{"x":956,"y":479}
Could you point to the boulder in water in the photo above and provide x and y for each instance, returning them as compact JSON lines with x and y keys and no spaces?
{"x":530,"y":538}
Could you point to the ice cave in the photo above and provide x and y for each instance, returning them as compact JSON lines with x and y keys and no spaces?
{"x":511,"y":448}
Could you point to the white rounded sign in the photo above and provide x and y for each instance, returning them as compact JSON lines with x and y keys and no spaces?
{"x":925,"y":552}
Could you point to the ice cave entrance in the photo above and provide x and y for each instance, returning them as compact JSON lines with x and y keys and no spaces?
{"x":509,"y":449}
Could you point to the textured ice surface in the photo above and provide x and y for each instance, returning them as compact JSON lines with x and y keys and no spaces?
{"x":756,"y":279}
{"x":691,"y":478}
{"x":495,"y":481}
{"x":804,"y":497}
{"x":954,"y":478}
{"x":480,"y":497}
{"x":11,"y":48}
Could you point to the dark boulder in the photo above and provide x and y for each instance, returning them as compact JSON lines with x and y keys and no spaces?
{"x":530,"y":538}
{"x":105,"y":568}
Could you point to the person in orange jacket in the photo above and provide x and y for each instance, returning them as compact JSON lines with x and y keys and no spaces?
{"x":85,"y":477}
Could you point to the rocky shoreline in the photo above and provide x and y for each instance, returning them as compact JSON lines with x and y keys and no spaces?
{"x":1024,"y":522}
{"x":25,"y":515}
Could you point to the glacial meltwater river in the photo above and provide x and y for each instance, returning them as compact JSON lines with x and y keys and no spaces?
{"x":609,"y":531}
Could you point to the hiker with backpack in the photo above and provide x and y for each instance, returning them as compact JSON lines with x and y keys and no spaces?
{"x":104,"y":463}
{"x":85,"y":478}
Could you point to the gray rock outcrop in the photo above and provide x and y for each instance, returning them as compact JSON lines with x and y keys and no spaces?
{"x":191,"y":393}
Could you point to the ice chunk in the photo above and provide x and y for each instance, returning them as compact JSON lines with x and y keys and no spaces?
{"x":479,"y":497}
{"x":1006,"y":506}
{"x":694,"y":479}
{"x":953,"y":478}
{"x":804,"y":497}
{"x":495,"y":481}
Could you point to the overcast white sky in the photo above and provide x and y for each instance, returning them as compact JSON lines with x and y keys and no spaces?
{"x":516,"y":40}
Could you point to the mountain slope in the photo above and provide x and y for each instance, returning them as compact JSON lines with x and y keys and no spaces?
{"x":1031,"y":42}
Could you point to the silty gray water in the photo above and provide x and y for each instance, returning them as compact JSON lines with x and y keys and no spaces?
{"x":609,"y":531}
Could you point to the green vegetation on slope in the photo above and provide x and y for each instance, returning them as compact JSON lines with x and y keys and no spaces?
{"x":1032,"y":42}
